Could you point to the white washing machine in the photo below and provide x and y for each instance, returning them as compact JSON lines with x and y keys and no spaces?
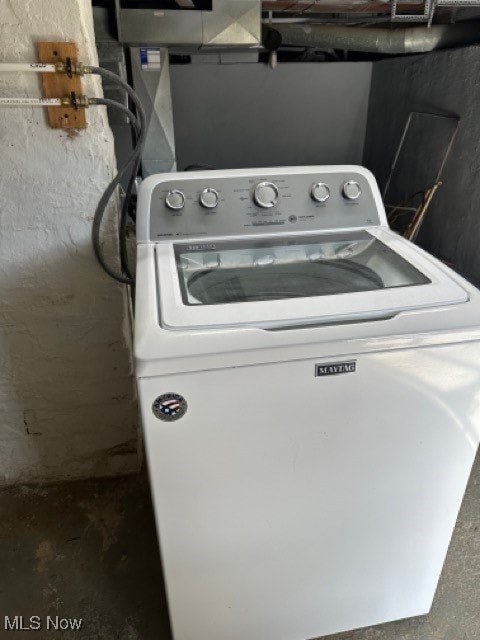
{"x":310,"y":393}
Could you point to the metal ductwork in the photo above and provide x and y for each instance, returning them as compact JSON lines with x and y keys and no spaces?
{"x":307,"y":7}
{"x":228,"y":24}
{"x":373,"y":39}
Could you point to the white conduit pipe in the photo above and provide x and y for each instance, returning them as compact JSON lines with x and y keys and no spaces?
{"x":36,"y":67}
{"x":31,"y":102}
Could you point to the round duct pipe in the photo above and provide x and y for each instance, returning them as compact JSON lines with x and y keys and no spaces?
{"x":399,"y":40}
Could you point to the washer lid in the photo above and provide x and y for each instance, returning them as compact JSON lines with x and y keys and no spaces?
{"x":289,"y":280}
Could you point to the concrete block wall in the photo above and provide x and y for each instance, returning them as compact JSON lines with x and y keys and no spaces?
{"x":443,"y":82}
{"x":67,"y":397}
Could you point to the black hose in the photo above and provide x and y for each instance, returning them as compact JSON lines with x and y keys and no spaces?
{"x":132,"y":165}
{"x":105,"y":73}
{"x":122,"y":228}
{"x":121,"y":107}
{"x":135,"y":159}
{"x":97,"y":221}
{"x":124,"y":220}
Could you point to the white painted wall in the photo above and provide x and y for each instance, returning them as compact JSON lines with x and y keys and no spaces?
{"x":66,"y":389}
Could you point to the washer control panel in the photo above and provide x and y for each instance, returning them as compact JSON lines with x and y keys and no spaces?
{"x":238,"y":204}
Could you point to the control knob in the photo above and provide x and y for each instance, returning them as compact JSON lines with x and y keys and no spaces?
{"x":209,"y":198}
{"x":320,"y":192}
{"x":175,"y":200}
{"x":266,"y":195}
{"x":351,"y":190}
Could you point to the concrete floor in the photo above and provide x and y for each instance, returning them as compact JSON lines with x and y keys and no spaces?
{"x":88,"y":550}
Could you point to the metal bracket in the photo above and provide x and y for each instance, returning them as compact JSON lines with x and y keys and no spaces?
{"x":420,"y":211}
{"x":61,"y":84}
{"x":404,"y":135}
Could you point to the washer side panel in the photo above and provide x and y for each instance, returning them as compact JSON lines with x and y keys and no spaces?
{"x":292,"y":506}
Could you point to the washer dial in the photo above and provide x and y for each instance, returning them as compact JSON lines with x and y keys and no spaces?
{"x":320,"y":192}
{"x":351,"y":190}
{"x":209,"y":198}
{"x":266,"y":195}
{"x":175,"y":200}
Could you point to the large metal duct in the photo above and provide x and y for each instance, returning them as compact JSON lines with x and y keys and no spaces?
{"x":373,"y":39}
{"x":307,"y":7}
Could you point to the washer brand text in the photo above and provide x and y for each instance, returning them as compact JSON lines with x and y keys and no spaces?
{"x":335,"y":368}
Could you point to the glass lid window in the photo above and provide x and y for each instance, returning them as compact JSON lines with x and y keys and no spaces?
{"x":259,"y":270}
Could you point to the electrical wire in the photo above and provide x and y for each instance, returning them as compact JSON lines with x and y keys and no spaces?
{"x":132,"y":165}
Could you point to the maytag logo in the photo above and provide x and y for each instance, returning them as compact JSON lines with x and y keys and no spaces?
{"x":335,"y":368}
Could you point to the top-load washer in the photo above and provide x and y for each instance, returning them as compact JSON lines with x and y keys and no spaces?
{"x":310,"y":394}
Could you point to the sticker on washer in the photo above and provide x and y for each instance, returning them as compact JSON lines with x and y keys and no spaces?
{"x":335,"y":368}
{"x":169,"y":406}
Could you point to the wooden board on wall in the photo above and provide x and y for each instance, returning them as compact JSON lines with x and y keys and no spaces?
{"x":58,"y":85}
